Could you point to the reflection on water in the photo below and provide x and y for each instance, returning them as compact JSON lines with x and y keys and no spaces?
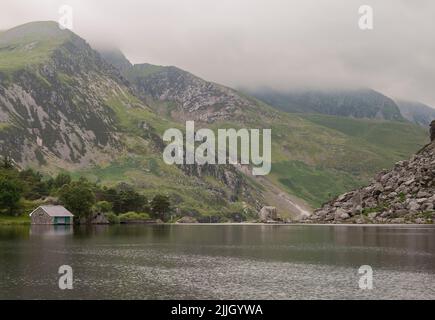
{"x":217,"y":261}
{"x":51,"y":230}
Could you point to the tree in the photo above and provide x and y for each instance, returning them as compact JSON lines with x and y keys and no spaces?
{"x":61,"y":180}
{"x":78,"y":198}
{"x":124,"y":199}
{"x":112,"y":196}
{"x":103,"y":206}
{"x":132,"y":201}
{"x":10,"y":194}
{"x":35,"y":187}
{"x":160,"y":205}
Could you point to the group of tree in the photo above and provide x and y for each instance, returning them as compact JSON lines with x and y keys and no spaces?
{"x":80,"y":196}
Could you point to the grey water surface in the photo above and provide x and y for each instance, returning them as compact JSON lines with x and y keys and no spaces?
{"x":217,"y":261}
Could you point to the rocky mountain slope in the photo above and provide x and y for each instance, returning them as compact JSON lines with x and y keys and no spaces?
{"x":405,"y":194}
{"x":191,"y":98}
{"x":363,"y":103}
{"x":416,"y":112}
{"x":54,"y":91}
{"x":63,"y":107}
{"x":182,"y":95}
{"x":116,"y":58}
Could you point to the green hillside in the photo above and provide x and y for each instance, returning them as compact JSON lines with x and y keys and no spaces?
{"x":351,"y":153}
{"x":316,"y":157}
{"x":30,"y":44}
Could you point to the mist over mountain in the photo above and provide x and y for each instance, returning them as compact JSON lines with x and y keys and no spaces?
{"x":416,"y":112}
{"x":116,"y":58}
{"x":362,"y":103}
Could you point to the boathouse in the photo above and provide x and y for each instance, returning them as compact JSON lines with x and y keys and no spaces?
{"x":51,"y":215}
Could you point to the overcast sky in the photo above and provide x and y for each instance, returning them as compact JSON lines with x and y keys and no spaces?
{"x":253,"y":43}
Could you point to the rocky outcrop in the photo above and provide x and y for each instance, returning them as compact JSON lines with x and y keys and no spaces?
{"x":405,"y":194}
{"x":236,"y":184}
{"x":95,"y":218}
{"x":268,"y":214}
{"x":191,"y":97}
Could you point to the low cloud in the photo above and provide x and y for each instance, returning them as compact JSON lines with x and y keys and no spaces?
{"x":263,"y":43}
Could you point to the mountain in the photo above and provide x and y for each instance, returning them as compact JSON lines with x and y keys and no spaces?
{"x":63,"y":106}
{"x":362,"y":103}
{"x":309,"y":151}
{"x":52,"y":97}
{"x":404,"y":194}
{"x":116,"y":58}
{"x":191,"y":97}
{"x":416,"y":112}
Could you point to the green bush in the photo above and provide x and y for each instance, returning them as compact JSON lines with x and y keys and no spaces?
{"x":133,"y":216}
{"x":112,"y":218}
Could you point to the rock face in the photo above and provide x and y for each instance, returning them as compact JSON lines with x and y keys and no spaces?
{"x":55,"y":108}
{"x":96,"y":218}
{"x":406,"y":194}
{"x":231,"y":178}
{"x":268,"y":214}
{"x":192,"y":97}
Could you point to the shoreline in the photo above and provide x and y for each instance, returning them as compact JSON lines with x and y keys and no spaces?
{"x":244,"y":224}
{"x":306,"y":224}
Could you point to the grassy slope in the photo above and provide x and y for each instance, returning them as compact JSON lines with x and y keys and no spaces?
{"x":142,"y":70}
{"x":395,"y":139}
{"x":360,"y":149}
{"x":23,"y":218}
{"x":29,"y":44}
{"x":316,"y":157}
{"x":11,"y":220}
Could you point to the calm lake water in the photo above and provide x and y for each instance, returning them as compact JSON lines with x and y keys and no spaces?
{"x":217,"y":262}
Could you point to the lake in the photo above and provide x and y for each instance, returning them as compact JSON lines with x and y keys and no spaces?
{"x":217,"y":261}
